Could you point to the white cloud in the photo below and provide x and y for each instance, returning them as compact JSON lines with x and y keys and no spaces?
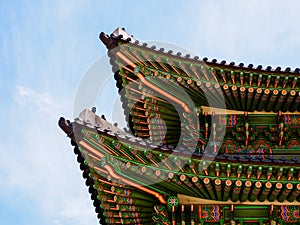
{"x":39,"y":165}
{"x":80,"y":209}
{"x":44,"y":51}
{"x":29,"y":96}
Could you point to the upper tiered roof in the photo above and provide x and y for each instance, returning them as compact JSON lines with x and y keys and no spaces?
{"x":162,"y":82}
{"x":281,"y":87}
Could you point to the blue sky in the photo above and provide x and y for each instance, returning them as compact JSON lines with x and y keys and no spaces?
{"x":47,"y":46}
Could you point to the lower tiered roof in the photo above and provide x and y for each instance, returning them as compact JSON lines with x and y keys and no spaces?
{"x":133,"y":181}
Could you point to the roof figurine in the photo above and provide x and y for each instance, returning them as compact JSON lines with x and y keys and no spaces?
{"x":121,"y":33}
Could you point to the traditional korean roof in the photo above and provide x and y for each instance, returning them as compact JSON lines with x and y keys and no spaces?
{"x":192,"y":158}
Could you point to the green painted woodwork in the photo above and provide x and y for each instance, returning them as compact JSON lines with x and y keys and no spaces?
{"x":186,"y":181}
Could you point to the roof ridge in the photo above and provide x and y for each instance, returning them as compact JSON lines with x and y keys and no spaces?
{"x":121,"y":34}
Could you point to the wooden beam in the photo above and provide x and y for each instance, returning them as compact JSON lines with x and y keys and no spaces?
{"x":210,"y":110}
{"x":189,"y":200}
